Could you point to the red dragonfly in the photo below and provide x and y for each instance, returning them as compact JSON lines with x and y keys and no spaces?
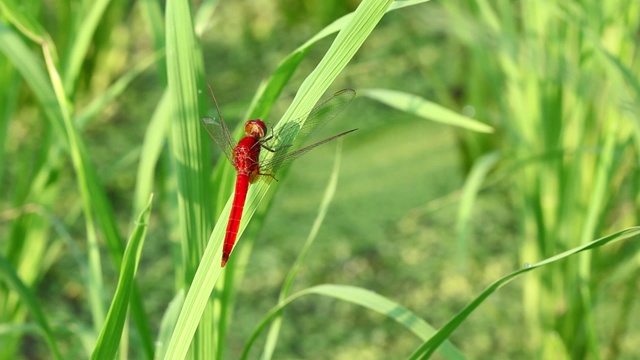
{"x":245,"y":155}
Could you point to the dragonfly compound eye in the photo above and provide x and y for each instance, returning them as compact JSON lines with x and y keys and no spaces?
{"x":255,"y":128}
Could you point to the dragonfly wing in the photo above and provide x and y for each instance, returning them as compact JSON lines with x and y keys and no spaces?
{"x":321,"y":115}
{"x":220,"y":133}
{"x":217,"y":128}
{"x":290,"y":149}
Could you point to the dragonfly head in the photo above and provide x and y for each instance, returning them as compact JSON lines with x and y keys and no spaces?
{"x":255,"y":128}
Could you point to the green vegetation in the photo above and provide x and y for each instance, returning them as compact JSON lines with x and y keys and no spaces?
{"x":497,"y":145}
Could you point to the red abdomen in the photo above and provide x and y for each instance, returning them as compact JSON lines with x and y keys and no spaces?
{"x":245,"y":160}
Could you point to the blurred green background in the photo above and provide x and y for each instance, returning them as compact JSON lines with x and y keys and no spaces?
{"x":557,"y":80}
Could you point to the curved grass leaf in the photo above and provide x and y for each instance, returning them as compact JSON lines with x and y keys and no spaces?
{"x":364,"y":298}
{"x":430,"y":346}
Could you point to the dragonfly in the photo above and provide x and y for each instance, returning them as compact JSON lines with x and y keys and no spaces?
{"x":245,"y":155}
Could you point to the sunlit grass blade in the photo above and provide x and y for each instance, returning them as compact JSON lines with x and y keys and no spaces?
{"x":112,"y":330}
{"x":268,"y":93}
{"x":11,"y":279}
{"x":367,"y":299}
{"x":430,"y":346}
{"x":94,"y":199}
{"x":344,"y":47}
{"x":341,"y":51}
{"x":274,"y":330}
{"x":81,"y":164}
{"x":416,"y":105}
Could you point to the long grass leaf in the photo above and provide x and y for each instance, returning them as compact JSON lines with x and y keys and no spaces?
{"x":81,"y":164}
{"x":271,"y":89}
{"x":184,"y":69}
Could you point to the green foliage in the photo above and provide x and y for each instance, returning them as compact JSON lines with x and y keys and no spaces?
{"x":100,"y":109}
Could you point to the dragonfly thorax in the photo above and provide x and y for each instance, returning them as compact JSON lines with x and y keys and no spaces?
{"x":255,"y":128}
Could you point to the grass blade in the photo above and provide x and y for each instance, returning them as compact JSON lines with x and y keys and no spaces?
{"x":192,"y":168}
{"x":367,"y":299}
{"x":416,"y":105}
{"x":81,"y":42}
{"x":429,"y":347}
{"x":112,"y":330}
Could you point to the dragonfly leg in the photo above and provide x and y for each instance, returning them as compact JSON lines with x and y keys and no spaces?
{"x":270,"y":149}
{"x":270,"y":175}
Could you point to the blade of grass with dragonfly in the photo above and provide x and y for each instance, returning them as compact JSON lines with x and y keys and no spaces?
{"x":344,"y":47}
{"x":265,"y":97}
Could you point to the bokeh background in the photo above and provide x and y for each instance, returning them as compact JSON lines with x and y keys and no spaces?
{"x":425,"y":213}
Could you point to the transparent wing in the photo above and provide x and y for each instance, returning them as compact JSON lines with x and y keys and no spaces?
{"x":289,"y":141}
{"x":218,"y":130}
